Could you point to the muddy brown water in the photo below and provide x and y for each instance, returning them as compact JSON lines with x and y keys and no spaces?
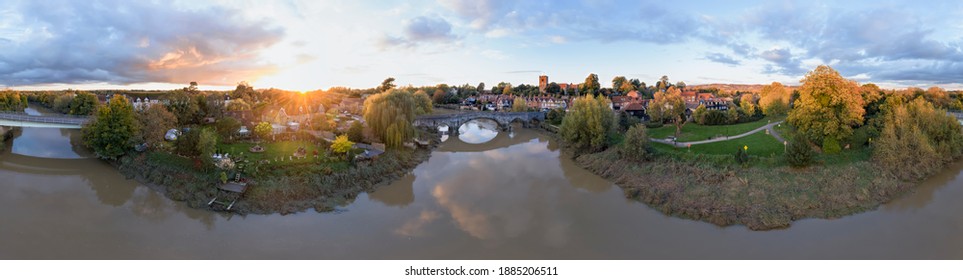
{"x":512,"y":196}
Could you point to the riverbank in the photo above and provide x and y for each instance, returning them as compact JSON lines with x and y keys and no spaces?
{"x":759,"y":197}
{"x":285,"y":190}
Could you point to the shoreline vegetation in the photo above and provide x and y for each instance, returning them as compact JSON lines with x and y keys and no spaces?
{"x":293,"y":189}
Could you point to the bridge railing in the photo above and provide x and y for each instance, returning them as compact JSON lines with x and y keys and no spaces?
{"x":58,"y":119}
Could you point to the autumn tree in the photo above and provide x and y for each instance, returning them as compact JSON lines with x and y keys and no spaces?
{"x":699,"y":115}
{"x":341,"y":145}
{"x":828,"y":106}
{"x":508,"y":89}
{"x":617,"y":83}
{"x":154,"y":123}
{"x":553,"y":88}
{"x":747,"y":103}
{"x":263,"y":129}
{"x":669,"y":106}
{"x":590,"y":86}
{"x":519,"y":105}
{"x":628,"y":86}
{"x":111,"y":131}
{"x":872,"y":98}
{"x":588,"y":124}
{"x":774,"y":99}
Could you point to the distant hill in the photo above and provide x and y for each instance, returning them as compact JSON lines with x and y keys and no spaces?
{"x":730,"y":88}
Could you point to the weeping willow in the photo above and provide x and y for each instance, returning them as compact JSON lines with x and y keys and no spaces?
{"x":390,"y":115}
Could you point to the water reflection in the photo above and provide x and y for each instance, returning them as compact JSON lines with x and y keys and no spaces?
{"x":478,"y":131}
{"x":507,"y":198}
{"x":48,"y":142}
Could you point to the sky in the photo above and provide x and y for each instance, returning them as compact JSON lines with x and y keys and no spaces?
{"x":307,"y":45}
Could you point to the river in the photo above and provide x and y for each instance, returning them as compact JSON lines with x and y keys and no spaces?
{"x":483,"y":194}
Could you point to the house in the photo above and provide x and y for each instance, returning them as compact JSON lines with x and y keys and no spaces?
{"x":351,"y":105}
{"x":720,"y":104}
{"x":689,"y":96}
{"x":637,"y":109}
{"x":620,"y":101}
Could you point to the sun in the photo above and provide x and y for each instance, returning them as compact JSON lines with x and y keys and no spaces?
{"x":294,"y":79}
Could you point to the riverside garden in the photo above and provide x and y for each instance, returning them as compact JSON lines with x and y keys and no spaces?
{"x":829,"y":149}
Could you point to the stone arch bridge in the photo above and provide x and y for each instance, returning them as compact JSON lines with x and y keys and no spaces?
{"x":454,"y":121}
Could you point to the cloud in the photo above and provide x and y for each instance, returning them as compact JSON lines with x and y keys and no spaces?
{"x":124,"y":42}
{"x":782,"y":62}
{"x":418,"y":30}
{"x":722,"y":58}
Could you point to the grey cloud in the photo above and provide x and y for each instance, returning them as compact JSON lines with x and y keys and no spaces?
{"x":131,"y":42}
{"x":722,"y":58}
{"x":783,"y":62}
{"x":419,"y":30}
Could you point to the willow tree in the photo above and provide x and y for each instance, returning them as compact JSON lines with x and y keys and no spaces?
{"x":828,"y":106}
{"x":588,"y":124}
{"x":390,"y":115}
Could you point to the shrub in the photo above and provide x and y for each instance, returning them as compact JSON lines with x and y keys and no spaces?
{"x":715,"y":117}
{"x":798,"y":152}
{"x":742,"y":157}
{"x":356,"y":132}
{"x":636,"y":144}
{"x":627,"y":121}
{"x":831,"y":146}
{"x":586,"y":127}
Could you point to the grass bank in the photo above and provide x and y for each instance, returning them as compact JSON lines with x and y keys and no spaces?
{"x":696,"y":132}
{"x":762,"y":196}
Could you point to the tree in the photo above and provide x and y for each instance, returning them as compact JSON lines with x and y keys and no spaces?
{"x":226,"y":127}
{"x":387,"y":84}
{"x":798,"y":151}
{"x":828,"y":106}
{"x":263,"y":130}
{"x":154,"y":123}
{"x":626,"y":121}
{"x":590,"y":86}
{"x":390,"y":115}
{"x":356,"y":132}
{"x":83,"y":104}
{"x":588,"y":124}
{"x":668,"y":106}
{"x":111,"y":131}
{"x":341,"y":145}
{"x":680,"y":85}
{"x":507,"y":89}
{"x":555,"y":116}
{"x":205,"y":146}
{"x":628,"y":86}
{"x":183,"y":106}
{"x":238,"y":105}
{"x":553,"y":88}
{"x":519,"y":105}
{"x":11,"y":101}
{"x":699,"y":115}
{"x":192,"y":87}
{"x":481,"y":87}
{"x":618,"y":81}
{"x":438,"y":97}
{"x":872,"y":98}
{"x":636,"y":144}
{"x":774,"y":99}
{"x":747,"y":103}
{"x":742,"y":155}
{"x":663,"y":83}
{"x":917,"y":140}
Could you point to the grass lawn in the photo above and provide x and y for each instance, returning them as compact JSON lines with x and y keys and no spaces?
{"x":272,"y":150}
{"x":759,"y":143}
{"x":696,"y":132}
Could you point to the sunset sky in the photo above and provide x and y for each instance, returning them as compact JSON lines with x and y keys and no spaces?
{"x":304,"y":45}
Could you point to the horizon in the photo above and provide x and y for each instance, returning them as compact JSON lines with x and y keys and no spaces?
{"x":306,"y":45}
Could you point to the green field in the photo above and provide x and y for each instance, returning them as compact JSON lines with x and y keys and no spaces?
{"x":760,"y":144}
{"x":696,"y":132}
{"x":272,"y":150}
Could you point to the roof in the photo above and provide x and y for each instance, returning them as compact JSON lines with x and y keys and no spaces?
{"x":635,"y":106}
{"x":234,"y":187}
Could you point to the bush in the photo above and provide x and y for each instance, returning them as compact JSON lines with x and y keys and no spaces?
{"x":627,"y":121}
{"x":587,"y":125}
{"x":636,"y":144}
{"x":356,"y":132}
{"x":798,"y":152}
{"x":831,"y":146}
{"x":715,"y":117}
{"x":917,"y":140}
